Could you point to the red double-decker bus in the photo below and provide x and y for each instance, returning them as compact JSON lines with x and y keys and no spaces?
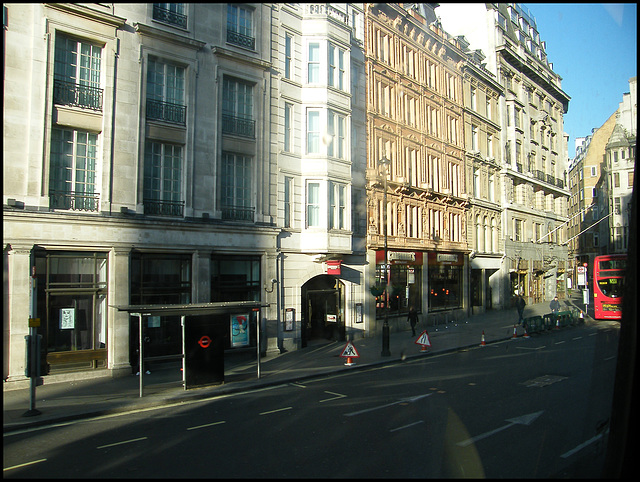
{"x":608,"y":284}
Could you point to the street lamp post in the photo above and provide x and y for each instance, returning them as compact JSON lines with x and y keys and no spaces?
{"x":384,"y":162}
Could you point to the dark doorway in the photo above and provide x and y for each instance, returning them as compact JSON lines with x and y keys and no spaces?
{"x":322,"y":310}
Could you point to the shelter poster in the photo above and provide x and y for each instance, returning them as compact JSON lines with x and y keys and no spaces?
{"x":240,"y":330}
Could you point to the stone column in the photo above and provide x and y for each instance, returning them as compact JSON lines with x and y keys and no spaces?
{"x":17,"y":296}
{"x":202,"y":276}
{"x":118,"y":321}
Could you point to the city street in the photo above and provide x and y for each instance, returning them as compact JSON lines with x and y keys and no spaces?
{"x":534,"y":407}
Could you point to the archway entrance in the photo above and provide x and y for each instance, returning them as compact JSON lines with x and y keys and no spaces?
{"x":322,"y":309}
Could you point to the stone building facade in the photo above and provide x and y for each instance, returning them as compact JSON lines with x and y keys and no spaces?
{"x":416,"y":191}
{"x":137,"y":171}
{"x":534,"y":157}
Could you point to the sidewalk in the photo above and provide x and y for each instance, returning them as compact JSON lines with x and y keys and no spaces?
{"x":62,"y":401}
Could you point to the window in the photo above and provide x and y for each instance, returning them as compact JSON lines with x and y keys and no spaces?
{"x":488,"y":110}
{"x":518,"y":229}
{"x":594,"y":171}
{"x":163,"y":179}
{"x":288,"y":202}
{"x":313,"y":204}
{"x":165,"y":92}
{"x":237,"y":108}
{"x":473,"y":98}
{"x":171,"y":13}
{"x":474,"y":138}
{"x":313,"y":132}
{"x":476,"y":182}
{"x":235,"y":278}
{"x":288,"y":123}
{"x":492,"y":187}
{"x":159,"y":278}
{"x":313,"y":64}
{"x":77,"y":73}
{"x":490,"y":146}
{"x":337,"y":205}
{"x":240,"y":26}
{"x":336,"y":67}
{"x":72,"y":288}
{"x":336,"y":129}
{"x":236,"y":187}
{"x":72,"y":180}
{"x":288,"y":52}
{"x":616,"y":179}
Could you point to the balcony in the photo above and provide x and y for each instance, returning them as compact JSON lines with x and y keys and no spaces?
{"x":164,"y":208}
{"x":237,"y":213}
{"x":239,"y":126}
{"x":166,"y":111}
{"x":74,"y":201}
{"x":236,"y":38}
{"x":325,"y":10}
{"x":167,"y":16}
{"x":75,"y":95}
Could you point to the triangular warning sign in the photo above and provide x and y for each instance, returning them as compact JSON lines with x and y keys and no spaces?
{"x":423,"y":339}
{"x":349,"y":351}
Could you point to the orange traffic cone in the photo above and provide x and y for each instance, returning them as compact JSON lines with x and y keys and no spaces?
{"x":482,"y":343}
{"x":557,"y":322}
{"x":515,"y":335}
{"x":349,"y":362}
{"x":526,"y":334}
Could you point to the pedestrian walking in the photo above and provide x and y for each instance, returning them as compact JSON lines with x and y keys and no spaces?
{"x":520,"y":304}
{"x":555,"y":307}
{"x":412,"y":318}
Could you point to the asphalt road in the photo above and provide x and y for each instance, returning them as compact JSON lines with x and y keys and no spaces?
{"x":534,"y":407}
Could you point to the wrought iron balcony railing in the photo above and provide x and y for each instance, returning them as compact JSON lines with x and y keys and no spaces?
{"x":167,"y":16}
{"x":164,"y":208}
{"x":234,"y":37}
{"x":76,"y":95}
{"x":166,"y":111}
{"x":239,"y":126}
{"x":74,"y":201}
{"x":237,"y":213}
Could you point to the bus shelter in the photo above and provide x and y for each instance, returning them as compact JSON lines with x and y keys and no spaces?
{"x":203,"y":327}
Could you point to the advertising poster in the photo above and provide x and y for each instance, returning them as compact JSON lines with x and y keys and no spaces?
{"x":67,"y":318}
{"x":240,"y":330}
{"x":289,"y":318}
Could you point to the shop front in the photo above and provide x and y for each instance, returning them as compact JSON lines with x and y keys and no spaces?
{"x":71,"y":294}
{"x":404,"y":281}
{"x":446,"y":277}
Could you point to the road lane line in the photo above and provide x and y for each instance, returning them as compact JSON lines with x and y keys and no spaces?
{"x":559,"y":342}
{"x":24,"y":465}
{"x":577,"y":338}
{"x":406,"y":426}
{"x":277,"y":410}
{"x":337,"y":396}
{"x":580,"y":447}
{"x":206,"y":425}
{"x":408,"y":399}
{"x":122,"y":443}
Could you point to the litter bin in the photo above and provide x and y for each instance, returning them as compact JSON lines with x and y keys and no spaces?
{"x":203,"y":351}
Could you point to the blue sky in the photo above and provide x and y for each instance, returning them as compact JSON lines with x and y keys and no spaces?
{"x":594,"y":48}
